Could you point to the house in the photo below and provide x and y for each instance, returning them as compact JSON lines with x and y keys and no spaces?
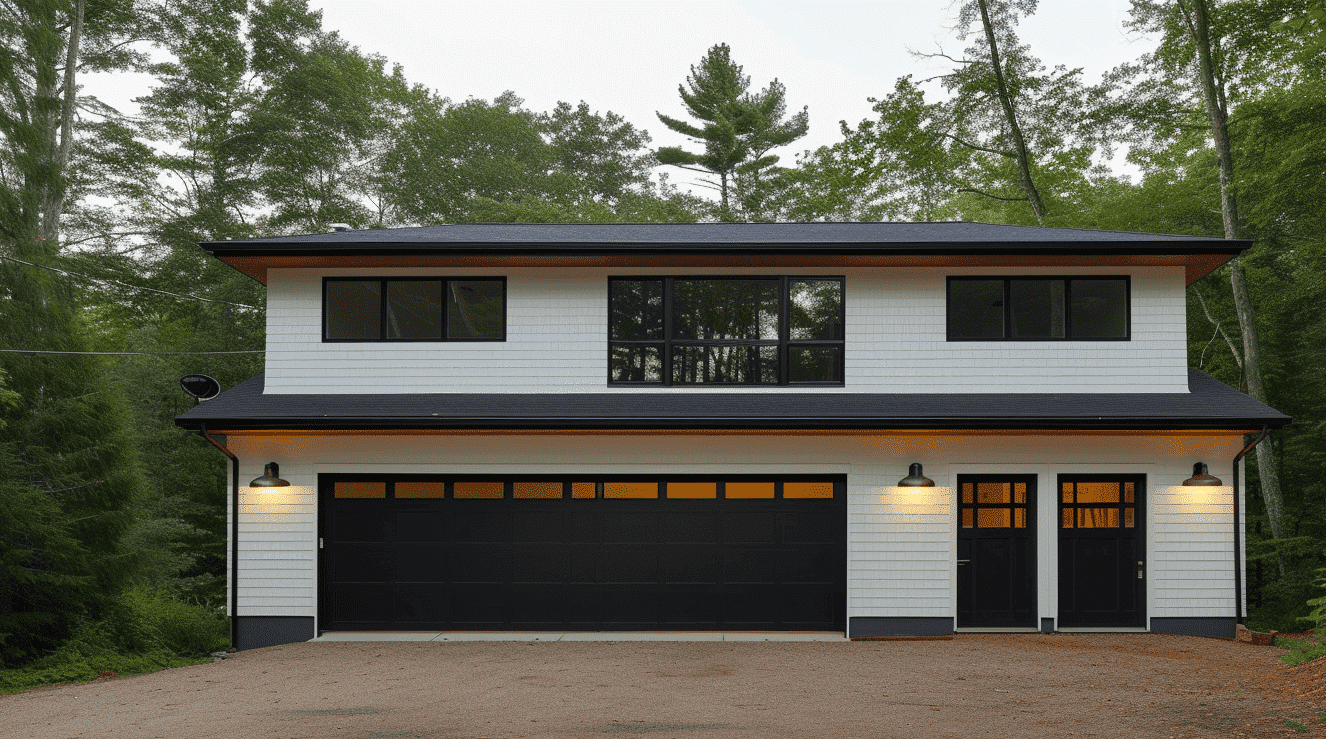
{"x":869,"y":428}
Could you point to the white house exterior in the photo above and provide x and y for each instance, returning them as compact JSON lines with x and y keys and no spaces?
{"x":707,"y":426}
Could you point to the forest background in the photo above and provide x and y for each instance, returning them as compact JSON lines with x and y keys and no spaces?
{"x":257,"y":121}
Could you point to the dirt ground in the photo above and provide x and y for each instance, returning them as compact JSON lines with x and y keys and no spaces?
{"x":1099,"y":685}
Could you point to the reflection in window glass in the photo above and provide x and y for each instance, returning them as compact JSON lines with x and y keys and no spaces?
{"x":976,"y":309}
{"x":1067,"y":521}
{"x":414,"y":309}
{"x":1037,"y":309}
{"x":1098,"y":518}
{"x":475,"y":309}
{"x":420,"y":489}
{"x":637,"y":310}
{"x":634,"y":363}
{"x":1128,"y":517}
{"x":1129,"y":493}
{"x":807,"y":490}
{"x":354,"y":309}
{"x":967,"y":492}
{"x":725,"y":309}
{"x":360,"y":490}
{"x":1100,"y":309}
{"x":815,"y":364}
{"x":692,"y":490}
{"x":1019,"y":518}
{"x":747,"y":365}
{"x":479,"y":490}
{"x":1019,"y":492}
{"x":967,"y":518}
{"x":629,"y":490}
{"x":815,"y":309}
{"x":1068,"y":492}
{"x":747,"y":490}
{"x":536,"y":490}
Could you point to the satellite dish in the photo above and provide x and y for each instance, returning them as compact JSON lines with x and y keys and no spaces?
{"x":201,"y":387}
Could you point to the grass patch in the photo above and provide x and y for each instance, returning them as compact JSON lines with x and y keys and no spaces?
{"x":1296,"y":726}
{"x":145,"y":630}
{"x":1300,"y":651}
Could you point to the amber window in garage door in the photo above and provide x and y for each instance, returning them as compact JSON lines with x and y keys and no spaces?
{"x":582,"y":553}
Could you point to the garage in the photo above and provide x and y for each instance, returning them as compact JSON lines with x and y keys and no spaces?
{"x":590,"y":553}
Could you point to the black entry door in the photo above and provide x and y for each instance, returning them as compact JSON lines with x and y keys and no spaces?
{"x":1101,"y":550}
{"x":621,"y":553}
{"x":996,"y":550}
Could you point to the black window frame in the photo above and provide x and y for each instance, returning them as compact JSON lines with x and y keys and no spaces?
{"x":1068,"y":302}
{"x":784,"y":342}
{"x":383,"y":338}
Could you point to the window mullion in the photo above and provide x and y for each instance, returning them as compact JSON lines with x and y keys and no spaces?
{"x":667,"y":330}
{"x":784,"y":331}
{"x":382,"y":318}
{"x":1008,"y":309}
{"x":1068,"y":309}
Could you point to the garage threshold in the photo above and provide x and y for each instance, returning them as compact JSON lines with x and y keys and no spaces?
{"x":578,"y":636}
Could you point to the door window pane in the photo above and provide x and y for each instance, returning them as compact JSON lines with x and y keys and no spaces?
{"x":414,"y":309}
{"x":420,"y":489}
{"x":807,"y":490}
{"x":692,"y":490}
{"x":354,"y":309}
{"x":479,"y":490}
{"x":967,"y":518}
{"x":1100,"y":309}
{"x":763,"y":490}
{"x":976,"y":309}
{"x":583,"y":491}
{"x":993,"y":518}
{"x":1019,"y":492}
{"x":1098,"y":492}
{"x":359,"y":490}
{"x":815,"y":364}
{"x":725,"y":309}
{"x":475,"y":309}
{"x":1037,"y":309}
{"x":1019,"y":518}
{"x":992,"y":492}
{"x":1067,"y":517}
{"x":630,"y":490}
{"x":1098,"y":518}
{"x":815,"y":309}
{"x":967,"y":494}
{"x":536,"y":490}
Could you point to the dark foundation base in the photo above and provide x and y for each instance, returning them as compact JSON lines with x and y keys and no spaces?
{"x":898,"y":626}
{"x":256,"y":632}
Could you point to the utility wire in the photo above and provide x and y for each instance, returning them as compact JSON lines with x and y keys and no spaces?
{"x":126,"y":354}
{"x":125,"y":284}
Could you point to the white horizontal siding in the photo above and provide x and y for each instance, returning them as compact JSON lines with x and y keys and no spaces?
{"x":901,"y":542}
{"x":895,"y":339}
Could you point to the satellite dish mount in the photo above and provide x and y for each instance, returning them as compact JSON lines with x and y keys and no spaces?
{"x":201,"y":387}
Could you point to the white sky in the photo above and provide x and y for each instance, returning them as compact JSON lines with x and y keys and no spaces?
{"x":629,"y":56}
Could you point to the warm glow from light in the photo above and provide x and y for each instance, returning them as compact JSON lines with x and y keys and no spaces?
{"x":259,"y":501}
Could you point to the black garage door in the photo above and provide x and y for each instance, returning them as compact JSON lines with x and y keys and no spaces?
{"x":620,"y":553}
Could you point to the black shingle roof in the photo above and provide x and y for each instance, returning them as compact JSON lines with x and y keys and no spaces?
{"x":717,"y":238}
{"x":1209,"y":405}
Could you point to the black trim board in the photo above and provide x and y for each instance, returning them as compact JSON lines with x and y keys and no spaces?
{"x":1209,"y":405}
{"x":256,"y":632}
{"x":1221,"y":627}
{"x":859,"y":626}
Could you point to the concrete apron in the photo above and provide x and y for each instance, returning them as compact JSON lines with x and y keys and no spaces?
{"x":570,"y":636}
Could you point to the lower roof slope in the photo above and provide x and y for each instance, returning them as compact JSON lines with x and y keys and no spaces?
{"x":1209,"y":404}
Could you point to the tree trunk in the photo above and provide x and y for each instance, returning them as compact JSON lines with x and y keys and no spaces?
{"x":1006,"y":100}
{"x":1199,"y":25}
{"x":57,"y":119}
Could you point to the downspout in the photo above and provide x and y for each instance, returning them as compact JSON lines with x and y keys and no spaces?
{"x":234,"y":531}
{"x":1238,"y":529}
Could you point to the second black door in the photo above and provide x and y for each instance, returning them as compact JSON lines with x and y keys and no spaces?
{"x":996,"y":551}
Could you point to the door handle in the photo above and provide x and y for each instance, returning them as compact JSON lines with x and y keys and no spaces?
{"x":963,"y":561}
{"x":1141,"y":568}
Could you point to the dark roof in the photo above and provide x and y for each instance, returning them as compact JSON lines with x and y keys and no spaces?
{"x":1209,"y":405}
{"x":718,"y":238}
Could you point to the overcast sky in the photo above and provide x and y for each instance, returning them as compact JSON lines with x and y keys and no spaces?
{"x":629,"y":56}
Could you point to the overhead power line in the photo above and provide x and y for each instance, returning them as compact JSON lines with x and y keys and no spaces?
{"x":61,"y":271}
{"x":126,"y":354}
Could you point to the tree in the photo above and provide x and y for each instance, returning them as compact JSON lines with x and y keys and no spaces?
{"x":739,"y":128}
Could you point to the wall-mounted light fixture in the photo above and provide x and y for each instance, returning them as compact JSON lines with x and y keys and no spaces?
{"x":271,"y":478}
{"x":1200,"y":477}
{"x":915,"y":479}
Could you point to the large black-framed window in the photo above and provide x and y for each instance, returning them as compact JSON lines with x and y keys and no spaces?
{"x":1040,"y":308}
{"x":721,"y":330}
{"x":361,"y":309}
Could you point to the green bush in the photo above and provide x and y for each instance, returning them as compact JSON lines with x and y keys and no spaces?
{"x":143,"y":630}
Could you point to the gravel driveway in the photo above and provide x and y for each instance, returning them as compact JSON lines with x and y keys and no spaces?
{"x":1099,"y":685}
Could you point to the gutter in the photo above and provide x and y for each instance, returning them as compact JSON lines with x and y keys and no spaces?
{"x":234,"y":532}
{"x":1238,"y":529}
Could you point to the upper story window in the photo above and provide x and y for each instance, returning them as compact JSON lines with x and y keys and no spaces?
{"x":1038,"y":309}
{"x":413,"y":309}
{"x":725,"y":330}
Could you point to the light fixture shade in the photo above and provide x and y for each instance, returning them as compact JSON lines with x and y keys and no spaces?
{"x":915,"y":479}
{"x":271,"y":478}
{"x":1200,"y":477}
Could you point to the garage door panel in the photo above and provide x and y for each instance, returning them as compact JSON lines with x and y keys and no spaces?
{"x":579,"y":563}
{"x":422,"y":525}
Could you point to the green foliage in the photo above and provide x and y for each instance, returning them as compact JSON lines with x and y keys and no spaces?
{"x":141,"y":631}
{"x":738,"y":130}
